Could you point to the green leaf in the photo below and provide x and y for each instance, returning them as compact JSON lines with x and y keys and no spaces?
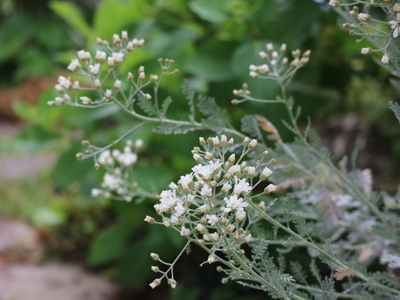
{"x":172,"y":43}
{"x":250,"y":127}
{"x":112,"y":16}
{"x":165,"y":105}
{"x":110,"y":244}
{"x":146,"y":179}
{"x":217,"y":118}
{"x":395,"y":107}
{"x":148,"y":106}
{"x":72,"y":15}
{"x":166,"y":128}
{"x":209,"y":10}
{"x":212,"y":62}
{"x":69,"y":170}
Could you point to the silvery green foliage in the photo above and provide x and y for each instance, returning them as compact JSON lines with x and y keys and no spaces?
{"x":242,"y":197}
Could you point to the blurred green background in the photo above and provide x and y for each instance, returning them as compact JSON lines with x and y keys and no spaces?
{"x":213,"y":42}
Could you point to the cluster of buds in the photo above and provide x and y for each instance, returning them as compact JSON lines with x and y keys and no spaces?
{"x":102,"y":70}
{"x":213,"y":205}
{"x":110,"y":57}
{"x":117,"y":182}
{"x":277,"y":65}
{"x":364,"y":24}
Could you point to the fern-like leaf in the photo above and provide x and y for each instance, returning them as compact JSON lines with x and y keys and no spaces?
{"x":250,"y":127}
{"x":173,"y":129}
{"x":298,"y":272}
{"x":395,"y":107}
{"x":215,"y":117}
{"x":164,"y":107}
{"x":189,"y":93}
{"x":148,"y":106}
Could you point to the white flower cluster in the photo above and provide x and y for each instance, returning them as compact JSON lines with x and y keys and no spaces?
{"x":367,"y":24}
{"x":277,"y":65}
{"x":102,"y":69}
{"x":212,"y":205}
{"x":118,"y":164}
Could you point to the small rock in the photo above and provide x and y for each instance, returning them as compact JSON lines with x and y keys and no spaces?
{"x":19,"y":242}
{"x":53,"y":282}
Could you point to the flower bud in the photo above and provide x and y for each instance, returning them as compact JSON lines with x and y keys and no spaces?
{"x":269,"y":189}
{"x":265,"y":173}
{"x":149,"y":220}
{"x":154,"y":256}
{"x":200,"y":228}
{"x":155,"y":269}
{"x":155,"y":283}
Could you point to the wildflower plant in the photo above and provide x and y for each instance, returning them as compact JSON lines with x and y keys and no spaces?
{"x":375,"y":21}
{"x":242,"y":197}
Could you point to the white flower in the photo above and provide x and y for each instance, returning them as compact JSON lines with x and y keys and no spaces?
{"x":111,"y":181}
{"x":265,"y":173}
{"x":96,"y":192}
{"x":139,"y":144}
{"x":226,"y":187}
{"x":206,"y":172}
{"x":127,"y":159}
{"x":214,"y":236}
{"x":64,"y":82}
{"x":334,"y":3}
{"x":241,"y":185}
{"x":108,"y":94}
{"x":110,"y":62}
{"x":100,"y":56}
{"x":203,"y":208}
{"x":367,"y":50}
{"x":240,"y":215}
{"x":235,"y":169}
{"x":167,"y":201}
{"x":212,"y":219}
{"x":211,"y":259}
{"x":155,"y":283}
{"x":248,"y":238}
{"x":200,"y":228}
{"x":185,"y":231}
{"x":117,"y":84}
{"x":234,"y":203}
{"x":118,"y":57}
{"x":85,"y":100}
{"x":105,"y":158}
{"x":84,"y":55}
{"x":149,"y":220}
{"x":94,"y":69}
{"x":179,"y":209}
{"x":186,"y":181}
{"x":364,"y":17}
{"x":270,"y":188}
{"x":395,"y":24}
{"x":206,"y":191}
{"x":385,"y":59}
{"x":74,"y":65}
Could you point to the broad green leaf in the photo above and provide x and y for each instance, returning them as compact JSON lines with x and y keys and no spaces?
{"x":209,"y":10}
{"x":69,"y":170}
{"x":172,"y":43}
{"x":110,"y":244}
{"x":112,"y":16}
{"x":144,"y":173}
{"x":40,"y":114}
{"x":212,"y":62}
{"x":72,"y":15}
